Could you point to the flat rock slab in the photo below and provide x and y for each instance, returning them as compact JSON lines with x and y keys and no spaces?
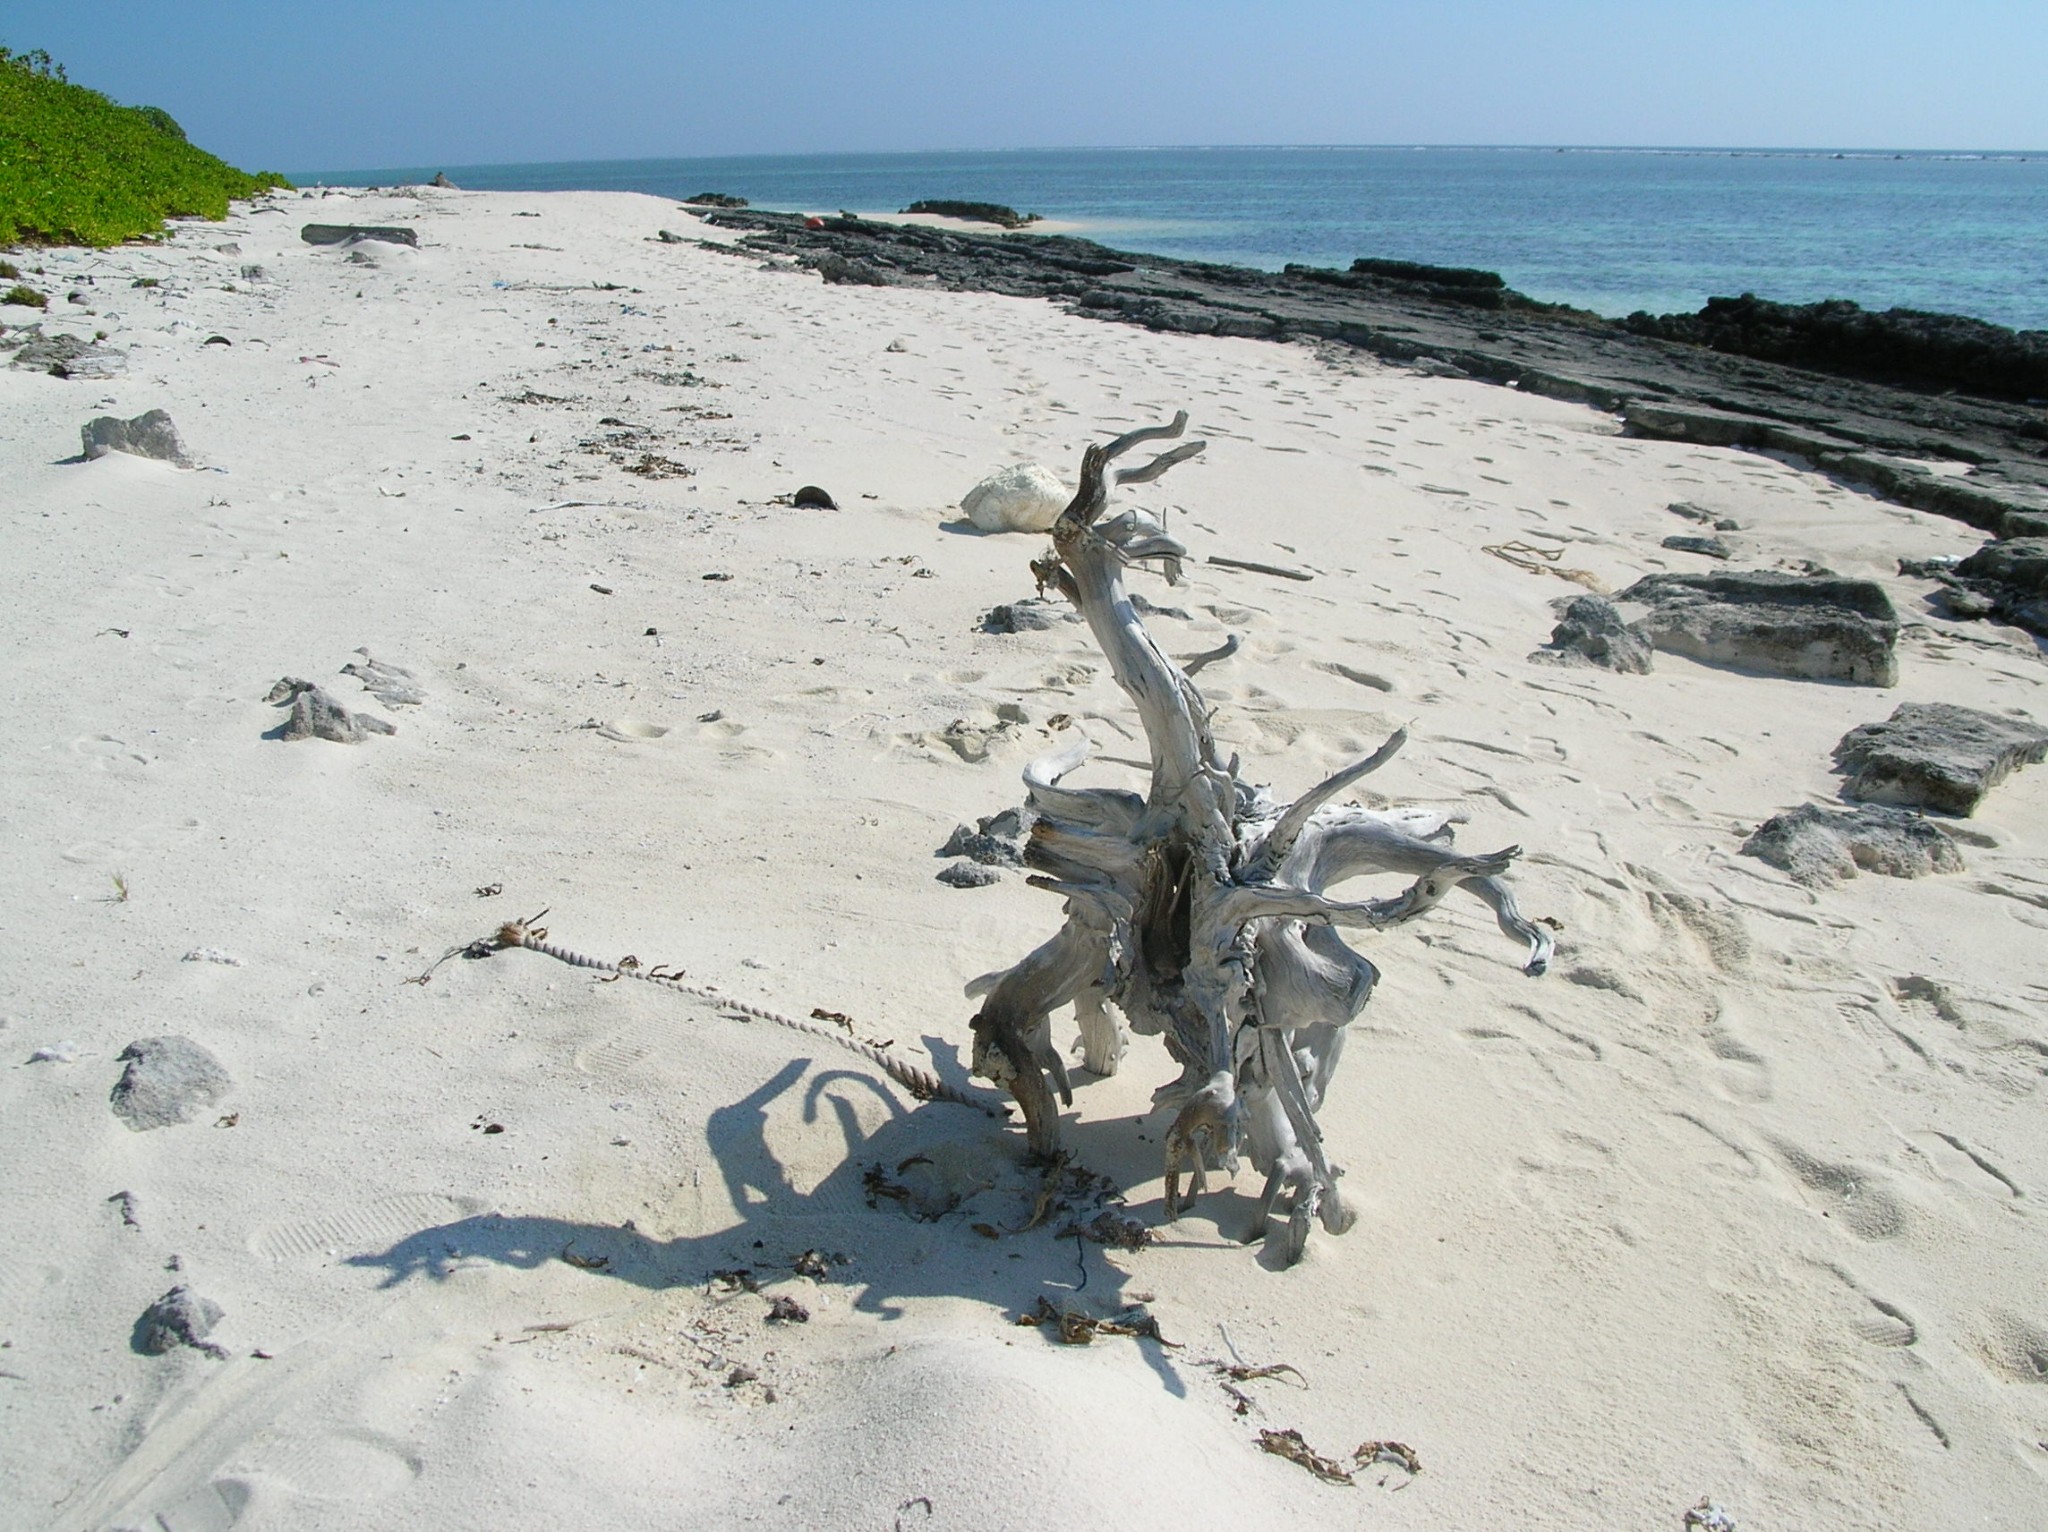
{"x":1820,"y":847}
{"x":168,"y":1080}
{"x":353,"y":233}
{"x":180,"y":1318}
{"x":149,"y":434}
{"x":66,"y":356}
{"x":1813,"y":627}
{"x":1933,"y":755}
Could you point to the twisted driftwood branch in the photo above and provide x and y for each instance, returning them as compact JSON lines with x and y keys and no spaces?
{"x":1199,"y":910}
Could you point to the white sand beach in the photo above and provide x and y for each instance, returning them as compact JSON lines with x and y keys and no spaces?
{"x":1740,"y":1202}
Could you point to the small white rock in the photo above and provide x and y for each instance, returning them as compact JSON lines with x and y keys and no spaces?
{"x":57,"y":1053}
{"x":1025,"y":497}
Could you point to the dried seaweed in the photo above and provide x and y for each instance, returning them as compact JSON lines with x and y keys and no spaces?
{"x":1076,"y":1328}
{"x":1289,"y":1445}
{"x":1368,"y":1453}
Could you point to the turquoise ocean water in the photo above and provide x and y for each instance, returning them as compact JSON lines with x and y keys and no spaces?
{"x":1611,"y":230}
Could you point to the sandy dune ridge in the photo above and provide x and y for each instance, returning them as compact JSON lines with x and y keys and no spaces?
{"x":1739,"y":1201}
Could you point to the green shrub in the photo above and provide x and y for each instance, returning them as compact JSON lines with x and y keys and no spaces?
{"x":162,"y":121}
{"x":9,"y":272}
{"x":25,"y":297}
{"x":77,"y":168}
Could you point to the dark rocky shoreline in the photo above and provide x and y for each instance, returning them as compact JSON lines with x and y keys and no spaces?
{"x":1867,"y":398}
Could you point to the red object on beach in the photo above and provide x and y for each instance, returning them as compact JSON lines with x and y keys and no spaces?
{"x":814,"y":223}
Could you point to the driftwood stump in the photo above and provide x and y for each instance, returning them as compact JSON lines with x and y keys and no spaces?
{"x":1198,"y":911}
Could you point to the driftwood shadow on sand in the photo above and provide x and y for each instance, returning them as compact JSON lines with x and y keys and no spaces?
{"x":884,"y":1242}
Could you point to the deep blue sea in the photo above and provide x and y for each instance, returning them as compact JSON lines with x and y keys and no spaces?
{"x":1611,"y":230}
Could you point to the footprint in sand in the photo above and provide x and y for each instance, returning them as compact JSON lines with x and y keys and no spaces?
{"x":1366,"y":678}
{"x":1860,"y":1200}
{"x":1576,"y":1161}
{"x":1719,"y":1154}
{"x":108,"y":752}
{"x":360,"y":1228}
{"x":22,"y":1286}
{"x":2013,"y":1346}
{"x":350,"y":1466}
{"x":1869,"y":1318}
{"x":616,"y":1055}
{"x":1740,"y":1072}
{"x":632,"y":730}
{"x":1957,"y":1163}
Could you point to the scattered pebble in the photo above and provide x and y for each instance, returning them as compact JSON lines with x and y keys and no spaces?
{"x":65,"y":1052}
{"x":969,"y":875}
{"x":211,"y":955}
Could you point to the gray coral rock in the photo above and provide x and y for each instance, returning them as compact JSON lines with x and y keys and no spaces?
{"x":168,"y":1080}
{"x":992,"y":843}
{"x":316,"y":715}
{"x":180,"y":1318}
{"x":2012,"y":575}
{"x":1028,"y":616}
{"x":1820,"y":847}
{"x":969,"y":875}
{"x":1815,"y":627}
{"x":65,"y":356}
{"x":149,"y":434}
{"x":392,"y":685}
{"x":1696,"y":542}
{"x":1935,"y":755}
{"x":1592,"y":631}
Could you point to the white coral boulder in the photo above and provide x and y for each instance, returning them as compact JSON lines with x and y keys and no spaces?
{"x":1025,"y":497}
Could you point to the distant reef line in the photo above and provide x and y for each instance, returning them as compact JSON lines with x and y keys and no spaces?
{"x":1865,"y":395}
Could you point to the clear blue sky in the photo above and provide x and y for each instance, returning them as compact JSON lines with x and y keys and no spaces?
{"x":349,"y":84}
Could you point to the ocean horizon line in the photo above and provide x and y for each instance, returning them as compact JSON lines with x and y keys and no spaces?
{"x":331,"y":175}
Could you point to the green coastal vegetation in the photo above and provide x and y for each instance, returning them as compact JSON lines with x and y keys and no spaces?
{"x":77,"y":168}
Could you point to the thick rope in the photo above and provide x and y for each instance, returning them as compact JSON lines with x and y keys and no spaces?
{"x":915,"y":1078}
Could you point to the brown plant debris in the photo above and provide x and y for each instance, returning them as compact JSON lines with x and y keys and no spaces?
{"x":783,"y":1309}
{"x":1120,"y":1231}
{"x":1368,"y":1453}
{"x":653,"y":465}
{"x":1076,"y":1328}
{"x":1238,"y":1373}
{"x":1289,"y":1445}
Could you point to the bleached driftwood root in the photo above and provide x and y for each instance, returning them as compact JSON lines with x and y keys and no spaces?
{"x":1199,"y":911}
